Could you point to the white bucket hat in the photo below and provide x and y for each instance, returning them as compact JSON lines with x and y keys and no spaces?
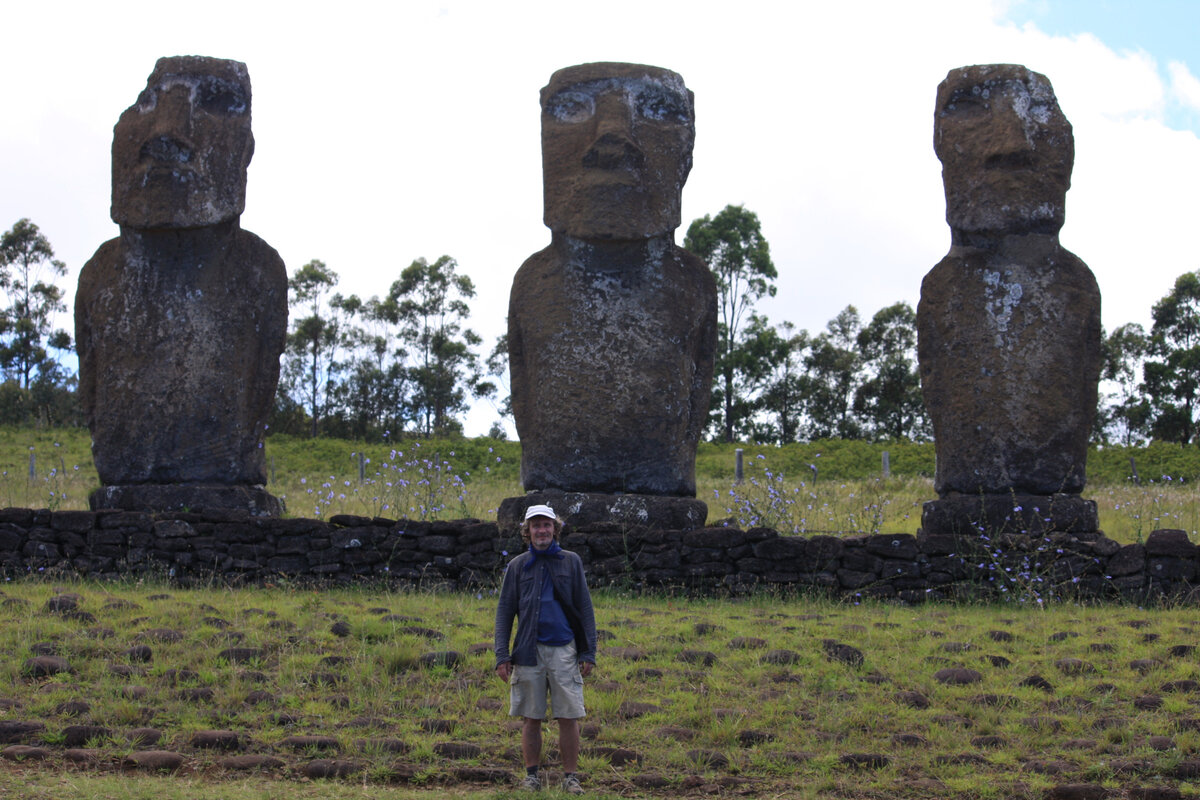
{"x":540,"y":511}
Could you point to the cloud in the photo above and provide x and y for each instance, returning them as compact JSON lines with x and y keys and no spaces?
{"x":1185,"y":88}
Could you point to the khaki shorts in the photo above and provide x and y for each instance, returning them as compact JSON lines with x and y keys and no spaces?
{"x":556,"y":673}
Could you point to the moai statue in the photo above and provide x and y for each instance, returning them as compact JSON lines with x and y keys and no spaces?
{"x":1009,"y":321}
{"x":180,"y":321}
{"x":612,"y":328}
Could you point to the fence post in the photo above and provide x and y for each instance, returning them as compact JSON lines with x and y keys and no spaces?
{"x":737,"y":469}
{"x":1133,"y":466}
{"x":887,"y":466}
{"x":362,"y":468}
{"x":32,"y":465}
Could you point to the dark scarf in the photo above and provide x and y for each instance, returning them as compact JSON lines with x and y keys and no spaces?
{"x":553,"y":550}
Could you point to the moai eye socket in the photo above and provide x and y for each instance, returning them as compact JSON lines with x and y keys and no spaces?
{"x":217,"y":96}
{"x":571,"y":107}
{"x":661,"y":105}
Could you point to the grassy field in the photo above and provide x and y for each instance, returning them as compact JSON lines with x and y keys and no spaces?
{"x":453,"y":479}
{"x":765,"y":697}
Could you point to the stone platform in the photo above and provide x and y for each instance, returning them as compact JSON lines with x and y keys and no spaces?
{"x":1009,"y":513}
{"x":194,"y":497}
{"x":587,"y":509}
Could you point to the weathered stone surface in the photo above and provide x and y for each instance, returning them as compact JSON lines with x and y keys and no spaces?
{"x":968,"y":515}
{"x":1009,"y":321}
{"x":612,"y":328}
{"x":180,"y":320}
{"x":580,"y":509}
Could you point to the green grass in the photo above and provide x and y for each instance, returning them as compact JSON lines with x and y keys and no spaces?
{"x":459,"y":478}
{"x":784,"y":726}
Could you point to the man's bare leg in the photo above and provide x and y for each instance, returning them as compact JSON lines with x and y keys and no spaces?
{"x":531,"y":742}
{"x":568,"y":744}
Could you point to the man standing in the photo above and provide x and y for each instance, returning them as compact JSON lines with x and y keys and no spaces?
{"x":555,"y":647}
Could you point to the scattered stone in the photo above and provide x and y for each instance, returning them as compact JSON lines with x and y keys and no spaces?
{"x":909,"y":740}
{"x":1160,"y":743}
{"x":1153,"y":793}
{"x":999,"y":661}
{"x":1101,"y":647}
{"x":632,"y":710}
{"x":201,"y":694}
{"x":1181,"y":650}
{"x":617,"y":756}
{"x":708,"y":759}
{"x":81,"y":735}
{"x":843,"y":653}
{"x":1144,"y":665}
{"x":82,"y":755}
{"x":331,"y":768}
{"x":1000,"y":636}
{"x":676,"y":733}
{"x":252,"y":763}
{"x":1147,"y":702}
{"x":781,"y":657}
{"x":912,"y":699}
{"x":650,"y":780}
{"x":24,"y":752}
{"x":483,"y":774}
{"x":153,"y":761}
{"x":865,"y":760}
{"x":241,"y":655}
{"x":62,"y":603}
{"x":957,"y":676}
{"x":1187,"y":685}
{"x":165,"y":635}
{"x":72,"y":708}
{"x":143,"y":737}
{"x":752,"y":738}
{"x":1076,"y":791}
{"x":1038,"y":682}
{"x":705,"y":628}
{"x":459,"y":751}
{"x":436,"y":725}
{"x":45,"y":666}
{"x":16,"y":731}
{"x":139,"y":653}
{"x":703,"y":657}
{"x":216,"y":740}
{"x":626,"y":653}
{"x":385,"y":745}
{"x":1074,"y":666}
{"x":1062,"y":636}
{"x":298,"y":743}
{"x":340,"y":628}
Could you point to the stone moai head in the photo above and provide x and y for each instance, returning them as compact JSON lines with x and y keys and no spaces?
{"x":180,"y":152}
{"x":1006,"y":150}
{"x":616,"y":150}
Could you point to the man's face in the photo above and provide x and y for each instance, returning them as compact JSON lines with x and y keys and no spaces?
{"x":1006,"y":150}
{"x":541,"y":532}
{"x":616,"y":150}
{"x":180,"y":153}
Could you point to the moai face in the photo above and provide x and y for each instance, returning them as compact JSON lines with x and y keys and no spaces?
{"x":616,"y":150}
{"x":180,"y":152}
{"x":1006,"y":150}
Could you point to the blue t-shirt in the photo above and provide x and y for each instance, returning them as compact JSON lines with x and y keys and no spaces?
{"x":553,"y":628}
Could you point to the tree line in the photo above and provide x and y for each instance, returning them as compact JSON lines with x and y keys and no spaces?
{"x":407,"y":363}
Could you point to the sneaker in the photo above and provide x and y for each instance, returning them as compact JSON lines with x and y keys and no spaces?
{"x":570,"y":784}
{"x":531,"y":783}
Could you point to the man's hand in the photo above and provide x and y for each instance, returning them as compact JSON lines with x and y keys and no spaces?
{"x":585,"y":668}
{"x":504,"y":670}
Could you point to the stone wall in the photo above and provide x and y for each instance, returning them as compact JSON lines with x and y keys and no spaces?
{"x":468,"y":554}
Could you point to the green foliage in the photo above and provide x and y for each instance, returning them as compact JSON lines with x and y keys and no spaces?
{"x":739,"y":257}
{"x":1172,"y":370}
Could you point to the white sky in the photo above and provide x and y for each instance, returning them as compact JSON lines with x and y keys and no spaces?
{"x":390,"y":131}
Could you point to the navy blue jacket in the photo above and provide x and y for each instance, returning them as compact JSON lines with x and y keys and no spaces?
{"x":521,"y":597}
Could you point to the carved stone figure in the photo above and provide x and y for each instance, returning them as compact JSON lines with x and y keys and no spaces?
{"x":180,"y":321}
{"x":1009,"y":321}
{"x":612,"y":328}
